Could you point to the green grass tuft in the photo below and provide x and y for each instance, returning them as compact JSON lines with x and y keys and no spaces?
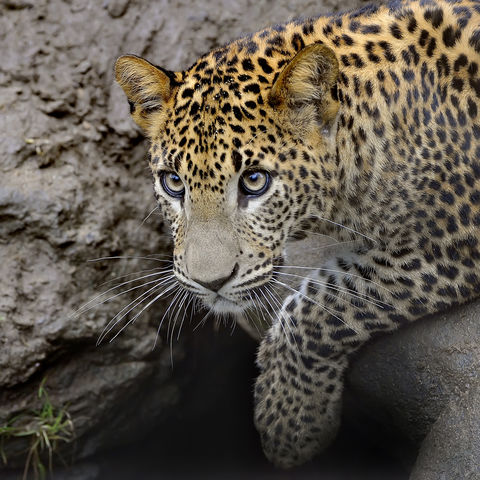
{"x":44,"y":429}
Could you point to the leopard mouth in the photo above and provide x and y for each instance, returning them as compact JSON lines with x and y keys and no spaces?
{"x":222,"y":305}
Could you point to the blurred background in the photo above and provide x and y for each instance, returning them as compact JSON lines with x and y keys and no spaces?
{"x":74,"y":187}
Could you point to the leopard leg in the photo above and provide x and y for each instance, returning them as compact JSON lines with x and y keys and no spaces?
{"x":303,"y":357}
{"x":297,"y":399}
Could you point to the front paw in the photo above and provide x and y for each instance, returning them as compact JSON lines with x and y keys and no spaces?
{"x":297,"y":410}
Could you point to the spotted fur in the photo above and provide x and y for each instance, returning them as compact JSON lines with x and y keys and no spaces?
{"x":367,"y":119}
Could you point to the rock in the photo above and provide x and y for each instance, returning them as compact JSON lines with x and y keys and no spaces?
{"x":117,"y":8}
{"x":451,"y":448}
{"x":423,"y":382}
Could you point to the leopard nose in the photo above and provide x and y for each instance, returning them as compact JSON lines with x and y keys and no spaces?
{"x":216,"y":285}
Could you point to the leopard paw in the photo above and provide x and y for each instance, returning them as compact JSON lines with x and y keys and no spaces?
{"x":296,"y":416}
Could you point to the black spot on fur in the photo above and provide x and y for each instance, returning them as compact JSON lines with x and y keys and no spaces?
{"x":450,"y":36}
{"x":434,"y":16}
{"x":395,"y":31}
{"x":475,"y":40}
{"x":247,"y":65}
{"x":237,"y":161}
{"x":297,"y":42}
{"x":265,"y":65}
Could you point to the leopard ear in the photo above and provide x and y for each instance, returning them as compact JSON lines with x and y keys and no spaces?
{"x":147,"y":87}
{"x":306,"y":88}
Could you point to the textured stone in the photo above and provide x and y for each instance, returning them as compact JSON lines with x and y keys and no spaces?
{"x":423,"y":383}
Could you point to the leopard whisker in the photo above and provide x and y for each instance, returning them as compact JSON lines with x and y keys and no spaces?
{"x":252,"y":139}
{"x":336,"y":244}
{"x":310,"y":232}
{"x":348,"y":291}
{"x":251,"y":319}
{"x":333,"y":270}
{"x":323,"y":307}
{"x":281,"y":312}
{"x":345,"y":227}
{"x":260,"y":310}
{"x":191,"y":299}
{"x":156,"y":269}
{"x":177,"y":312}
{"x":204,"y":319}
{"x":83,"y":309}
{"x":234,"y":325}
{"x":132,"y":257}
{"x":271,"y":314}
{"x":181,"y":308}
{"x":178,"y":291}
{"x":180,"y":302}
{"x":147,"y":217}
{"x":126,"y":310}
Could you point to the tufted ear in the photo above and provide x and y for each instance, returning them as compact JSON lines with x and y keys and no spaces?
{"x":147,"y":87}
{"x":306,"y":88}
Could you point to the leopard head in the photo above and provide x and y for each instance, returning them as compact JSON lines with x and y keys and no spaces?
{"x":241,"y":154}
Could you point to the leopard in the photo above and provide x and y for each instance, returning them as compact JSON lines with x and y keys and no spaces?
{"x":362,"y":125}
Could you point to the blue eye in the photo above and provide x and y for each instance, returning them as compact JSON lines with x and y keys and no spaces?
{"x":172,"y":184}
{"x":254,"y":182}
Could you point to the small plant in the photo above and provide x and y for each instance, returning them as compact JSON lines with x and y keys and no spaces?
{"x":44,"y":429}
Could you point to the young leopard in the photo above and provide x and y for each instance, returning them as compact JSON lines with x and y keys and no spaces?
{"x":363,"y":125}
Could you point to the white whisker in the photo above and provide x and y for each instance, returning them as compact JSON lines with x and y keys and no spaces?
{"x":140,"y":299}
{"x":311,"y":232}
{"x":83,"y":308}
{"x":180,"y":302}
{"x":339,"y":288}
{"x":179,"y":288}
{"x":203,"y":320}
{"x":129,"y":257}
{"x":323,"y":307}
{"x":156,"y":269}
{"x":147,"y":217}
{"x":345,"y":227}
{"x":332,"y":270}
{"x":260,"y":310}
{"x":281,"y":314}
{"x":191,"y":298}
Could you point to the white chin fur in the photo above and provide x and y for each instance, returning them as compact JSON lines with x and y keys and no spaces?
{"x":224,"y":306}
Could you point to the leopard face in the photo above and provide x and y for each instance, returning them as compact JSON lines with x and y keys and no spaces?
{"x":238,"y":164}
